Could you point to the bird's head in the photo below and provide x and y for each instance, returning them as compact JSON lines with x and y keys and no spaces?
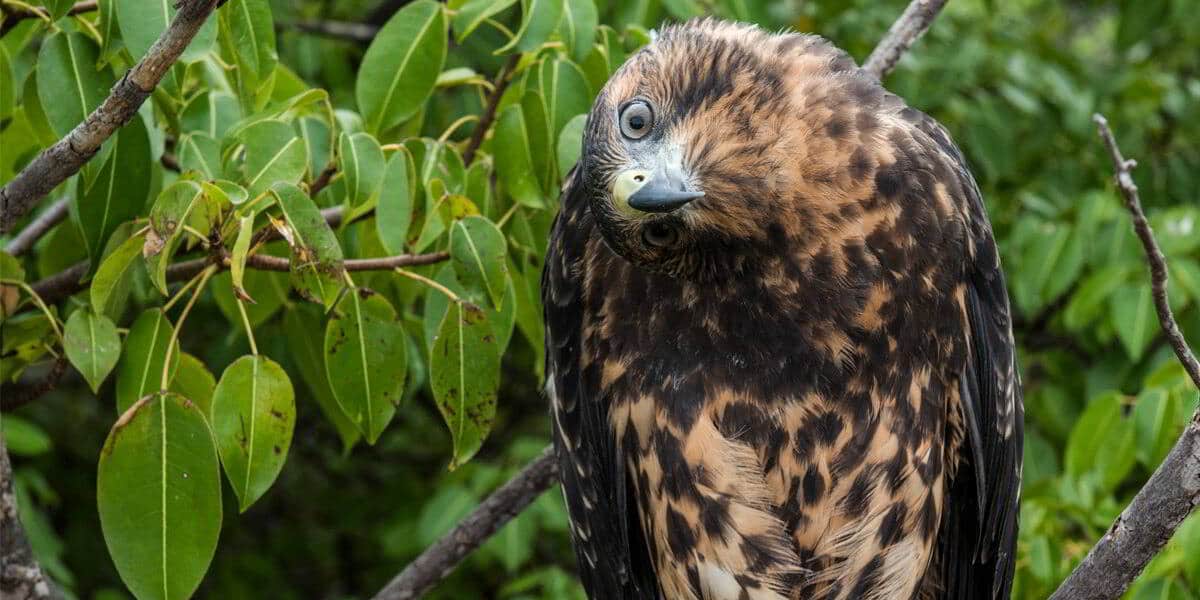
{"x":691,"y":149}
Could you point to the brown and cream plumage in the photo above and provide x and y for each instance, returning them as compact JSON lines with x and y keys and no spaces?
{"x":778,"y":344}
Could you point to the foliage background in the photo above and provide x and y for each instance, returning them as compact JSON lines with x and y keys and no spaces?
{"x":1014,"y":82}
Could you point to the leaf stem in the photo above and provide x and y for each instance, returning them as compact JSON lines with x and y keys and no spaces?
{"x":38,"y":301}
{"x":431,"y":283}
{"x":246,"y":322}
{"x":187,"y":308}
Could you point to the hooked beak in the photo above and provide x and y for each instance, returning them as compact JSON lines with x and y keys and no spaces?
{"x":653,"y":192}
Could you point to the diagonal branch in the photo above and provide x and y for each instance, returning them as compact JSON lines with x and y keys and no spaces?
{"x":489,"y":111}
{"x":22,"y":242}
{"x":911,"y":25}
{"x":1173,"y":491}
{"x":438,"y":560}
{"x":62,"y":160}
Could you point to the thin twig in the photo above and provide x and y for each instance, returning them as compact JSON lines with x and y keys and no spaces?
{"x":359,"y":33}
{"x":16,"y":395}
{"x":22,"y":242}
{"x":266,"y":262}
{"x":489,"y":110}
{"x":1173,"y":491}
{"x":911,"y":25}
{"x":21,"y":577}
{"x":62,"y":160}
{"x":15,"y":14}
{"x":438,"y":560}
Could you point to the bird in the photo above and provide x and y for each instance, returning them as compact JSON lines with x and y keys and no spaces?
{"x":779,"y":352}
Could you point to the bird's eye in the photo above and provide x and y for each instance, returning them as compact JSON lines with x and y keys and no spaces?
{"x":636,"y":120}
{"x":660,"y":235}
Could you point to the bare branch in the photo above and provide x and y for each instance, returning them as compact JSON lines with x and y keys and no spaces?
{"x":38,"y":227}
{"x":21,"y":578}
{"x":16,"y":14}
{"x":489,"y":111}
{"x":359,"y":33}
{"x":62,"y":160}
{"x":1173,"y":491}
{"x":16,"y":395}
{"x":440,"y":559}
{"x":911,"y":25}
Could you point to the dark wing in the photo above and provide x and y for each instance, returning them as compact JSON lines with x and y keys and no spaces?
{"x":613,"y":562}
{"x":979,"y":537}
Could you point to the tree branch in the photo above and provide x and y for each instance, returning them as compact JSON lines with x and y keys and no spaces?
{"x":1173,"y":491}
{"x":489,"y":111}
{"x":38,"y":227}
{"x":911,"y":25}
{"x":62,"y":160}
{"x":14,"y":14}
{"x":359,"y":33}
{"x":438,"y":560}
{"x":21,"y":577}
{"x":17,"y":395}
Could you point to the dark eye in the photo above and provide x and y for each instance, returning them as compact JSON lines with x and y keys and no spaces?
{"x":636,"y":120}
{"x":660,"y":235}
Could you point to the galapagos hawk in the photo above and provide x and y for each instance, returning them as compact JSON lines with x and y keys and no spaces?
{"x":779,"y":353}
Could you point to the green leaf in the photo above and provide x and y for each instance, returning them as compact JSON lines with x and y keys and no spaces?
{"x":306,"y":338}
{"x":393,"y":216}
{"x":316,"y":260}
{"x":578,"y":27}
{"x":118,"y":191}
{"x":10,"y":267}
{"x":539,"y":18}
{"x":200,"y":152}
{"x":195,"y":382}
{"x":477,"y":251}
{"x":1101,"y":446}
{"x":1134,"y":318}
{"x":564,"y":91}
{"x":110,"y":35}
{"x":68,"y":84}
{"x":514,"y":163}
{"x":210,"y":112}
{"x":26,"y":337}
{"x":274,"y":154}
{"x":92,"y":345}
{"x":570,"y":144}
{"x":362,"y":167}
{"x":170,"y":212}
{"x":253,"y":414}
{"x":8,"y":85}
{"x":401,"y":66}
{"x":225,"y":192}
{"x":473,"y":13}
{"x":115,"y":270}
{"x":535,"y":111}
{"x":366,"y":353}
{"x":237,"y":263}
{"x":24,"y":438}
{"x":142,"y":21}
{"x":1089,"y":300}
{"x":503,"y":319}
{"x":247,"y":35}
{"x":139,"y":372}
{"x":465,"y":376}
{"x":1159,"y":418}
{"x":159,"y":494}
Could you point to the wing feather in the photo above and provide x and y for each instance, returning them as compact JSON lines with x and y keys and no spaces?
{"x":613,"y":563}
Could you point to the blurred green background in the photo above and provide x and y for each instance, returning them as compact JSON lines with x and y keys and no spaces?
{"x":1015,"y":83}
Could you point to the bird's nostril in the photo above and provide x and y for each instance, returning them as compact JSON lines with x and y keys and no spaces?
{"x":639,"y":178}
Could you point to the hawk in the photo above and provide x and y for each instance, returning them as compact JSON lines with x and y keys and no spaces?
{"x":779,"y":352}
